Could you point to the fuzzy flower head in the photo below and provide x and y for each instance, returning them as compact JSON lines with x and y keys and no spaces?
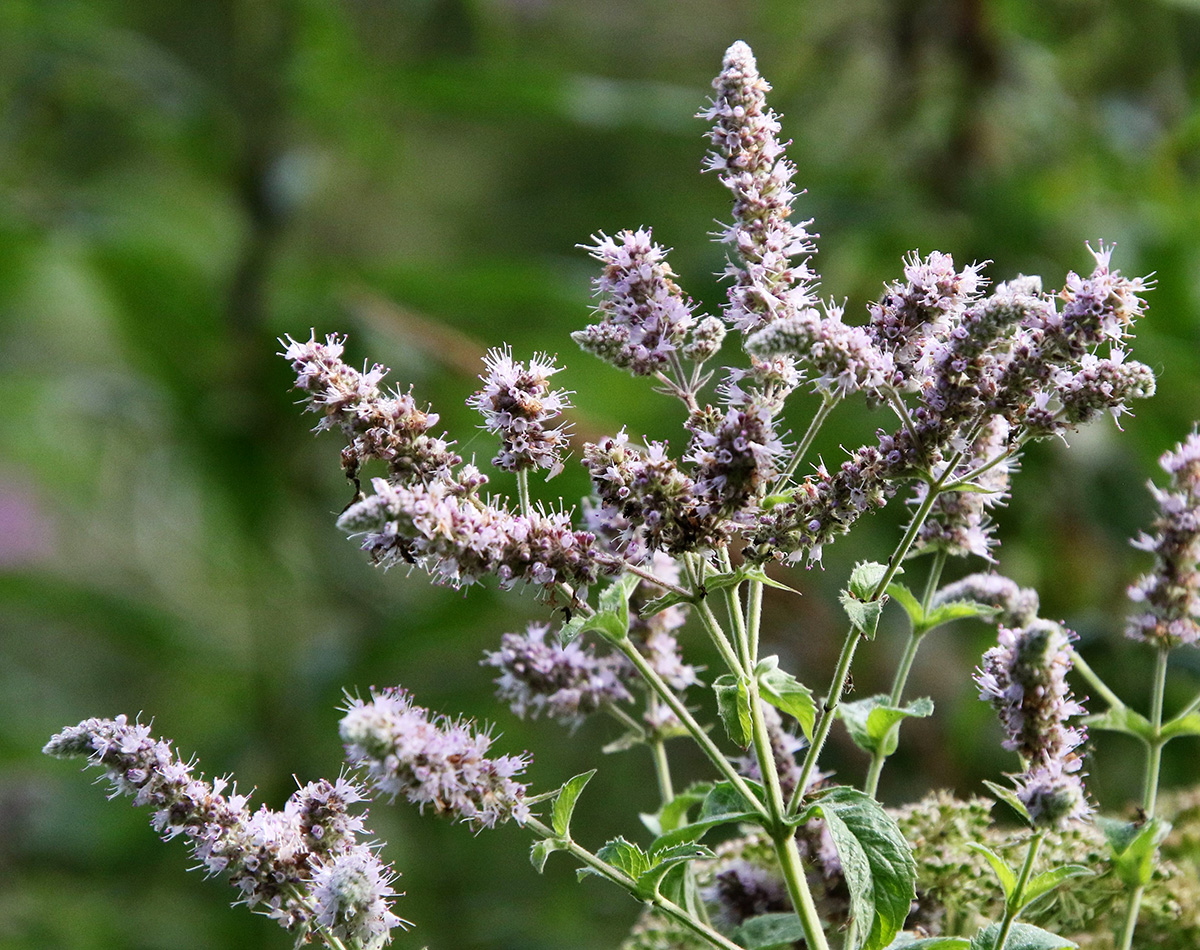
{"x":748,"y":157}
{"x":385,"y":426}
{"x":644,"y":316}
{"x":280,"y":862}
{"x":1017,"y":606}
{"x":1170,"y":592}
{"x":433,"y":760}
{"x":567,"y":682}
{"x":1103,"y":306}
{"x":350,"y":898}
{"x":1025,"y":679}
{"x":517,"y":403}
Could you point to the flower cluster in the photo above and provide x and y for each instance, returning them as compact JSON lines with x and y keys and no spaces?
{"x":459,"y":539}
{"x":1025,"y":678}
{"x":566,"y":681}
{"x":748,"y":158}
{"x":433,"y":760}
{"x":1171,"y":590}
{"x":958,"y":521}
{"x":302,"y":866}
{"x":1016,"y":606}
{"x":644,"y":317}
{"x":517,"y":402}
{"x":388,"y":427}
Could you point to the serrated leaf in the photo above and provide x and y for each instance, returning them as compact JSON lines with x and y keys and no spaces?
{"x":648,"y":881}
{"x":1006,"y":875}
{"x":541,"y":850}
{"x":1044,"y":883}
{"x":908,"y":600}
{"x":786,"y":693}
{"x":733,"y":703}
{"x":1021,"y":937}
{"x":564,"y":804}
{"x":872,"y":722}
{"x":768,"y":931}
{"x":722,"y":805}
{"x":571,"y":629}
{"x":1009,"y":797}
{"x":957,"y":610}
{"x":865,"y":578}
{"x":876,"y":862}
{"x":625,"y":856}
{"x":1121,"y":718}
{"x":864,"y":615}
{"x":1134,"y":846}
{"x":907,"y":941}
{"x":1188,"y":725}
{"x":659,"y":604}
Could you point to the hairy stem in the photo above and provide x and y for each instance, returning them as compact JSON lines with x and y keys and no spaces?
{"x":667,"y":695}
{"x":621,"y":879}
{"x":814,"y":426}
{"x":523,"y":492}
{"x":1149,"y":785}
{"x":1013,"y":907}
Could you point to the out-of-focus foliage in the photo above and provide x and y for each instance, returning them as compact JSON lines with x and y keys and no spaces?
{"x":180,"y":183}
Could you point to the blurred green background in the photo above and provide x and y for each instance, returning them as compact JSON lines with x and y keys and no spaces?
{"x":181,"y":183}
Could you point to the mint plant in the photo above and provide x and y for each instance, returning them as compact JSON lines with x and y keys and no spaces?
{"x":971,"y":374}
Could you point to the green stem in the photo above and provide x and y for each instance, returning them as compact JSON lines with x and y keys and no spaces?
{"x":1150,"y":785}
{"x":733,"y":606}
{"x":754,"y":618}
{"x":662,"y":768}
{"x":838,"y":684}
{"x":523,"y":492}
{"x":667,"y":695}
{"x":1013,"y":906}
{"x":624,"y":881}
{"x":822,"y":413}
{"x":900,"y":680}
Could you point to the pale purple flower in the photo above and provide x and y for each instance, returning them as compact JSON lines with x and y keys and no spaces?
{"x":1171,"y":590}
{"x":433,"y":760}
{"x":460,"y":539}
{"x":350,"y":898}
{"x":278,"y":861}
{"x":647,"y":502}
{"x":517,"y":403}
{"x":748,"y":158}
{"x":566,"y":681}
{"x":959,"y":521}
{"x":379,"y":425}
{"x":742,"y":890}
{"x":644,"y":316}
{"x":1025,"y":679}
{"x":1017,"y":606}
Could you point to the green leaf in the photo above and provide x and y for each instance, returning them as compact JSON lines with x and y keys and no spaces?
{"x":663,"y":862}
{"x":625,"y":856}
{"x":659,"y":604}
{"x":1044,"y":883}
{"x":769,"y":931}
{"x":876,"y":862}
{"x":1121,"y":718}
{"x":1021,"y":937}
{"x":673,"y":814}
{"x":1188,"y":725}
{"x":957,"y":610}
{"x":865,"y":578}
{"x":733,"y":703}
{"x":623,"y":743}
{"x":722,"y":805}
{"x":1007,"y":876}
{"x":907,"y":941}
{"x":786,"y":693}
{"x":872,"y":722}
{"x":908,"y":600}
{"x":1133,"y":846}
{"x":541,"y":850}
{"x":1009,"y":797}
{"x":564,"y":804}
{"x":864,"y":615}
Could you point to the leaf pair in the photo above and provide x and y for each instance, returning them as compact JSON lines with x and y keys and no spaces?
{"x":779,"y":688}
